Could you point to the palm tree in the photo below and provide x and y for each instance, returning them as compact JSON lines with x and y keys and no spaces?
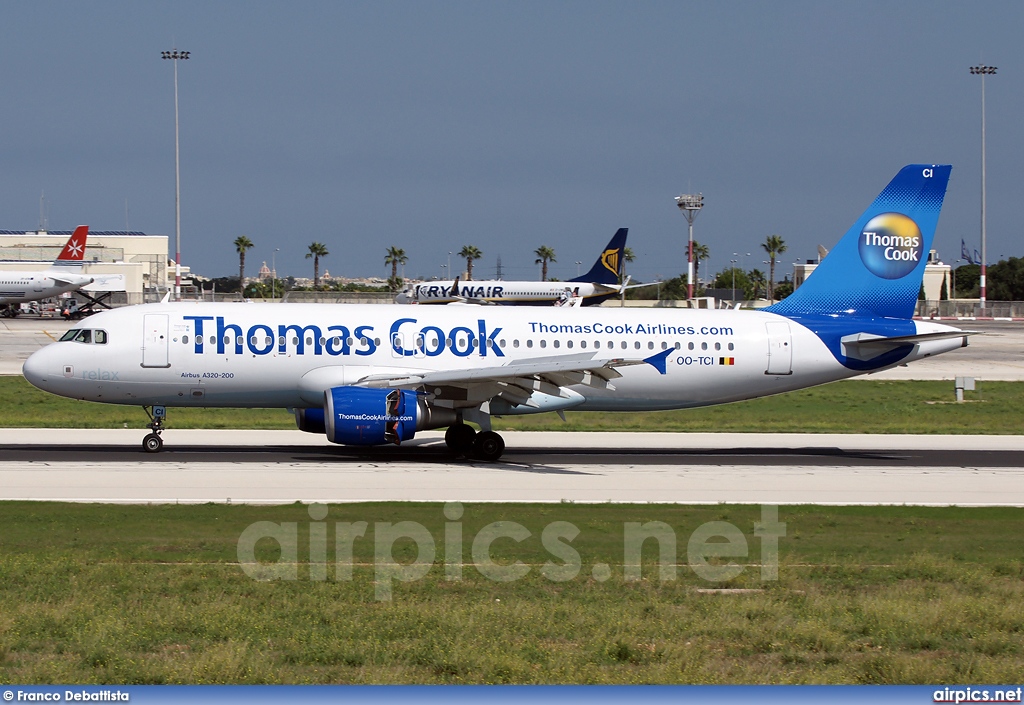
{"x":627,"y":256}
{"x":316,"y":251}
{"x":774,"y":246}
{"x":700,"y":251}
{"x":470,"y":253}
{"x":242,"y":243}
{"x":395,"y":256}
{"x":756,"y":280}
{"x":544,"y":255}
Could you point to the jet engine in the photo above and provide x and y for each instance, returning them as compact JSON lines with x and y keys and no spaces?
{"x":360,"y":416}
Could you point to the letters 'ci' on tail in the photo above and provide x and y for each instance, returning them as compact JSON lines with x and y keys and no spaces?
{"x":877,"y":268}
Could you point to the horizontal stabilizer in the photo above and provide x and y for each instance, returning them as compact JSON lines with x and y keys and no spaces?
{"x":865,"y":346}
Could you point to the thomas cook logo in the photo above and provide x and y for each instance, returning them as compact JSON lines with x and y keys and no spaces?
{"x":610,"y":259}
{"x":891,"y":245}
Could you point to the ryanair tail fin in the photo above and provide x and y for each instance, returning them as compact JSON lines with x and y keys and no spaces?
{"x":608,"y":267}
{"x":877,"y":268}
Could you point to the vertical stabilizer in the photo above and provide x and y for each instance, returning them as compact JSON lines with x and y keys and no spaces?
{"x":876,"y":269}
{"x":608,"y":267}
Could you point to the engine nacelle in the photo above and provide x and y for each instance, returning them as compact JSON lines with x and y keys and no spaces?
{"x":365,"y":417}
{"x":310,"y":420}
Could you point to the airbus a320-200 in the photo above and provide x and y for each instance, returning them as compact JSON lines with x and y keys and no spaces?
{"x":377,"y":374}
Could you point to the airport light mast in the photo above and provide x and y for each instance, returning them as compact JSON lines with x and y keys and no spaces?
{"x":983,"y":71}
{"x":689,"y":205}
{"x":174,"y":55}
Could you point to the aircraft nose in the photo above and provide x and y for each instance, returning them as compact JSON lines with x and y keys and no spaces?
{"x":37,"y":368}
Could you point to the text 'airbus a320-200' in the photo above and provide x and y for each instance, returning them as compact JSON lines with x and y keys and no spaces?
{"x":377,"y":374}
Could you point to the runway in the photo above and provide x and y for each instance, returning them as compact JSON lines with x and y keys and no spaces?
{"x":286,"y":466}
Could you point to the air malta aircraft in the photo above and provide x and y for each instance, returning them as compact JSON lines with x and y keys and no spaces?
{"x":65,"y":274}
{"x":597,"y":285}
{"x":376,"y":374}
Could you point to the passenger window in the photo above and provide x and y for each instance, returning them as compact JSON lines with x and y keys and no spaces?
{"x":690,"y":346}
{"x":623,"y":344}
{"x":213,"y":339}
{"x":703,"y":346}
{"x":650,"y":345}
{"x":543,"y":343}
{"x":515,"y":343}
{"x":568,"y":343}
{"x":557,"y":343}
{"x":583,"y":343}
{"x":664,"y":345}
{"x":100,"y":337}
{"x":610,"y":345}
{"x":718,"y":346}
{"x":184,"y":339}
{"x":529,"y":343}
{"x":636,"y":345}
{"x":730,"y":346}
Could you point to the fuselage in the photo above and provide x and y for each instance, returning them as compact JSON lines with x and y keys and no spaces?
{"x":504,"y":292}
{"x":22,"y":286}
{"x":273,"y":355}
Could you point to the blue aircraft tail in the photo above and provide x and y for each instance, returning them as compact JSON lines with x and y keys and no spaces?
{"x":608,"y":267}
{"x":877,"y":268}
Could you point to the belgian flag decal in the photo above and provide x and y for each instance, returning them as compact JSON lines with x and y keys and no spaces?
{"x":727,"y":361}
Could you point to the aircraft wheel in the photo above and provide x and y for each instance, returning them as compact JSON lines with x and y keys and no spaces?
{"x":488,"y":446}
{"x":459,"y":437}
{"x":152,"y":443}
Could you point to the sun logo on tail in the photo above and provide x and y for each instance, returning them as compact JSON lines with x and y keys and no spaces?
{"x":610,"y":260}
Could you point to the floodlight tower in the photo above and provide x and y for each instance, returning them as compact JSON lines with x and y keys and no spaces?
{"x":983,"y":71}
{"x":175,"y":55}
{"x":689,"y":205}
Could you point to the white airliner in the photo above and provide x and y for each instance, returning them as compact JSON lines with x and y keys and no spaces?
{"x":376,"y":374}
{"x":65,"y":274}
{"x":597,"y":285}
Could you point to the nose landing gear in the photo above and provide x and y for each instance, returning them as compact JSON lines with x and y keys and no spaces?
{"x":152,"y":443}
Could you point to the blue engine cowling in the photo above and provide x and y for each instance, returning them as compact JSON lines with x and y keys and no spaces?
{"x":366,"y":417}
{"x":310,"y":420}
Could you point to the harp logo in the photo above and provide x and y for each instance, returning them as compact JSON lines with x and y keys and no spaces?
{"x":891,"y":245}
{"x":610,"y":260}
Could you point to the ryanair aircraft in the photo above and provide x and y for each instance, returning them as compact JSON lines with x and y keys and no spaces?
{"x":366,"y":375}
{"x":599,"y":284}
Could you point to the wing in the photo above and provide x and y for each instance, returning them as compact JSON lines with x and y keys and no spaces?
{"x":517,"y":383}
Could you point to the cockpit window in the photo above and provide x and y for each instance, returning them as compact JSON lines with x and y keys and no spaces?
{"x":87,"y":336}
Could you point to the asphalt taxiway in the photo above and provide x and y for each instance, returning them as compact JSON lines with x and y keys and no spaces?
{"x":287,"y":466}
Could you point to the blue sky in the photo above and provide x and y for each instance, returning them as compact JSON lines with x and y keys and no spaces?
{"x":505,"y":125}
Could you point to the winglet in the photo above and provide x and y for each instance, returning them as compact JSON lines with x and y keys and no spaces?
{"x":658,"y":361}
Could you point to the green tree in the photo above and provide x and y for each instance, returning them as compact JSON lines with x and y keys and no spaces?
{"x":316,"y":251}
{"x":627,"y":257}
{"x":544,"y":254}
{"x":470,"y":253}
{"x":727,"y":277}
{"x":700,"y":252}
{"x":395,"y":256}
{"x":242,"y":244}
{"x":944,"y":291}
{"x":774,"y":246}
{"x":757,"y":281}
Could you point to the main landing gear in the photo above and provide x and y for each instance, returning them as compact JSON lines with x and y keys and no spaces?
{"x":152,"y":443}
{"x":463,"y":439}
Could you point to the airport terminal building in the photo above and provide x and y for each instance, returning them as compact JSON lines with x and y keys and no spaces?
{"x":138,"y":260}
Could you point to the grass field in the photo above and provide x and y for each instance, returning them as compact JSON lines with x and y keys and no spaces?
{"x":152,"y":594}
{"x":844,"y":407}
